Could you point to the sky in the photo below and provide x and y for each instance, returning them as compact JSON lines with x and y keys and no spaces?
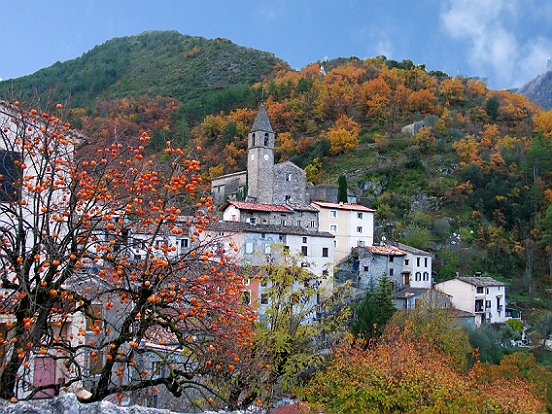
{"x":506,"y":42}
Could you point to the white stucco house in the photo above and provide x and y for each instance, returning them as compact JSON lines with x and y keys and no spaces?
{"x":351,"y":224}
{"x":417,"y":266}
{"x":483,"y":296}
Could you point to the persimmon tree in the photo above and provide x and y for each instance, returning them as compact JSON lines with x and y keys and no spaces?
{"x":95,"y":276}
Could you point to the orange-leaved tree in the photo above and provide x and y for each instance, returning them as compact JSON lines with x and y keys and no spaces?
{"x":104,"y":270}
{"x":404,"y":374}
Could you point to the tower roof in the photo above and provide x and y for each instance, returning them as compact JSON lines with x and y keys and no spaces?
{"x":262,"y":123}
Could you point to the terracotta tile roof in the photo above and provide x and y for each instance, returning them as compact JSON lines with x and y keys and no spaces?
{"x":240,"y":226}
{"x":243,"y":205}
{"x":343,"y":206}
{"x":385,"y":250}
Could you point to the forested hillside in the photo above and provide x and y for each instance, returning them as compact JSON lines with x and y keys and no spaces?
{"x":155,"y":63}
{"x":472,"y":183}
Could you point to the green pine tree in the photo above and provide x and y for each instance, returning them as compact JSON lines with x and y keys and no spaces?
{"x":342,"y":189}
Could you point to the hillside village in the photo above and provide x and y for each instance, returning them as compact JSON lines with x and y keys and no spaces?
{"x":330,"y":237}
{"x":142,"y":264}
{"x":333,"y":242}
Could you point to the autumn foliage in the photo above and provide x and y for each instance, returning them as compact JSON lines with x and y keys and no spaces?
{"x":407,"y":375}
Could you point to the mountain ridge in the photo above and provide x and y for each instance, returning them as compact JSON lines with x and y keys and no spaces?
{"x":154,"y":63}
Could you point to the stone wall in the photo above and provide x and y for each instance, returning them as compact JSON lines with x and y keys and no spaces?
{"x":290,"y":181}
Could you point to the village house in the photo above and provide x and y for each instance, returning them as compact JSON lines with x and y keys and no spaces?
{"x":483,"y":296}
{"x":351,"y":224}
{"x":417,"y":266}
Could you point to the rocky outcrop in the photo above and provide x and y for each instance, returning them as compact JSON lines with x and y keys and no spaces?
{"x":539,"y":90}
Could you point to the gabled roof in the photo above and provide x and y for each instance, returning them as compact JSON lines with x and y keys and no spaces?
{"x":408,"y":292}
{"x":262,"y":123}
{"x":343,"y":206}
{"x":384,"y":250}
{"x":409,"y":249}
{"x":480,"y":281}
{"x":302,"y":207}
{"x":237,"y":174}
{"x":269,"y":208}
{"x":241,"y":227}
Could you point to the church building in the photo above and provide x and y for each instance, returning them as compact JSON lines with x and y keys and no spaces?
{"x":264,"y":181}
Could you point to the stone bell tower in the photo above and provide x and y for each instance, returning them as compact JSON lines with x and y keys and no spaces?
{"x":260,"y":159}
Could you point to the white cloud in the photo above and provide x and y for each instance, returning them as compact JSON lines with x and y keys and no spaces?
{"x":384,"y":47}
{"x":496,"y":50}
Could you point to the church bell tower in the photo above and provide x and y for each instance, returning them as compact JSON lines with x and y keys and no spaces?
{"x":260,"y":159}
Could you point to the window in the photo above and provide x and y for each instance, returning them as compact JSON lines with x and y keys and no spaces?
{"x":365,"y":268}
{"x":417,"y":261}
{"x":288,"y":176}
{"x":313,"y":223}
{"x":426,"y":276}
{"x":406,"y":261}
{"x":304,"y":239}
{"x":252,"y":220}
{"x":268,"y":249}
{"x":264,"y":298}
{"x":94,"y":316}
{"x":281,"y":237}
{"x":248,"y":247}
{"x":333,"y":228}
{"x":156,"y":368}
{"x":391,"y":272}
{"x":359,"y":229}
{"x":263,"y":235}
{"x":391,"y":259}
{"x":479,"y":290}
{"x":325,"y":252}
{"x":283,"y":222}
{"x":96,"y":362}
{"x":287,"y":197}
{"x":487,"y":291}
{"x":361,"y":243}
{"x":418,"y":276}
{"x":184,"y":243}
{"x":487,"y":304}
{"x":333,"y":213}
{"x":246,"y":297}
{"x":9,"y":173}
{"x":359,"y":216}
{"x":304,"y":250}
{"x":425,"y":261}
{"x":479,"y":305}
{"x":335,"y":243}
